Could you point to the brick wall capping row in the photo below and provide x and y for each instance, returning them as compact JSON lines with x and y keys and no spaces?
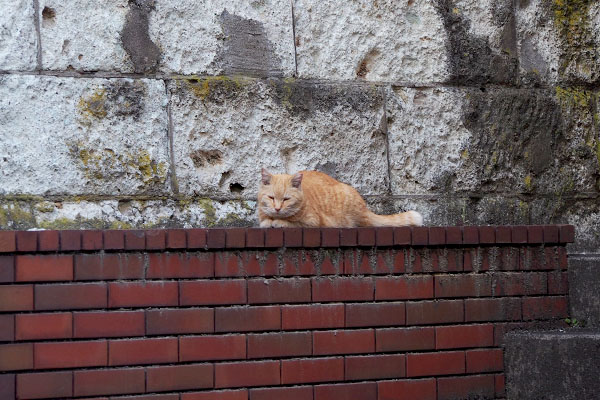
{"x":243,"y":238}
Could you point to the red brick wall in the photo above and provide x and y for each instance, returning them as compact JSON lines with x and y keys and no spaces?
{"x":373,"y":314}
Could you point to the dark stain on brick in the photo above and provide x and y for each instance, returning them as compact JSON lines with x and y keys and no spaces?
{"x":144,"y":54}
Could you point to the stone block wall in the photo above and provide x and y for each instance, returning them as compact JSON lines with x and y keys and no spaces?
{"x":250,"y":314}
{"x":145,"y":113}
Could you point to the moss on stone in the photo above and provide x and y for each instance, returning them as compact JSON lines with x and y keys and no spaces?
{"x":574,"y":96}
{"x":210,"y":213}
{"x":94,"y":105}
{"x":209,"y":88}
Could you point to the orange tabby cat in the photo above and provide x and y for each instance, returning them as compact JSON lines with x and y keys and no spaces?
{"x":312,"y":199}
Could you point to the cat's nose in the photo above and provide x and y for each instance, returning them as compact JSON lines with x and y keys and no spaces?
{"x":277,"y":209}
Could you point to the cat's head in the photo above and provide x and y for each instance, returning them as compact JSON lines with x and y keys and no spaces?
{"x":280,"y":196}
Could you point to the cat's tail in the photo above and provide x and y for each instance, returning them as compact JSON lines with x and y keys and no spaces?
{"x":409,"y":218}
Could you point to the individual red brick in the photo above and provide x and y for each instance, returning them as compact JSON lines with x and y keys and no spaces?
{"x":274,"y":238}
{"x":212,"y":348}
{"x":558,"y":283}
{"x":456,"y":337}
{"x":280,"y":344}
{"x":7,"y":269}
{"x":535,"y":234}
{"x":70,"y":354}
{"x":330,"y":237}
{"x":437,"y":236}
{"x":311,"y":237}
{"x":519,"y":283}
{"x":108,"y":324}
{"x":539,"y":308}
{"x":366,"y":237}
{"x":70,"y":296}
{"x":15,"y":357}
{"x":189,"y":320}
{"x":196,"y":238}
{"x":499,"y":385}
{"x":384,"y":236}
{"x":43,"y":326}
{"x":156,"y":239}
{"x":7,"y":386}
{"x":235,"y":238}
{"x":8,"y":242}
{"x":247,"y":263}
{"x":348,"y":237}
{"x":463,"y":285}
{"x":375,"y":314}
{"x":454,"y":235}
{"x":375,"y":367}
{"x":503,"y":234}
{"x":402,"y":236}
{"x":470,"y":235}
{"x":108,"y":266}
{"x":143,"y":351}
{"x":344,"y":342}
{"x":466,"y":387}
{"x":292,"y":237}
{"x":181,"y":265}
{"x":45,"y":385}
{"x":48,"y":241}
{"x":347,"y":391}
{"x":114,"y":240}
{"x":312,"y":370}
{"x":287,"y":393}
{"x":255,"y":237}
{"x":484,"y":360}
{"x":135,"y":240}
{"x":16,"y":298}
{"x":312,"y":316}
{"x":247,"y":374}
{"x":143,"y":294}
{"x":240,"y":319}
{"x":422,"y":389}
{"x":434,"y":312}
{"x":295,"y":290}
{"x":217,"y":395}
{"x":563,"y":261}
{"x":109,"y":381}
{"x":7,"y":328}
{"x":551,"y":234}
{"x":404,"y":287}
{"x":70,"y":240}
{"x":434,"y":364}
{"x":420,"y":236}
{"x":405,"y":339}
{"x":487,"y":234}
{"x":179,"y":377}
{"x":30,"y":268}
{"x":26,"y":241}
{"x":216,"y":238}
{"x":91,"y":240}
{"x":504,"y":309}
{"x":342,"y":289}
{"x":176,"y":239}
{"x":519,"y":234}
{"x":230,"y":291}
{"x":566,"y":234}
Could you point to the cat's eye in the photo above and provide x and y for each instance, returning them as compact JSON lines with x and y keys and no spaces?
{"x":271,"y":197}
{"x":286,"y":198}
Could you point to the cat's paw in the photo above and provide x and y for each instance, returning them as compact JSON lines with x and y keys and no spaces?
{"x":279,"y":223}
{"x":266,"y":223}
{"x":416,"y":219}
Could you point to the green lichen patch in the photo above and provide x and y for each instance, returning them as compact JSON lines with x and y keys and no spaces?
{"x":94,"y":105}
{"x":16,"y":215}
{"x":216,"y":88}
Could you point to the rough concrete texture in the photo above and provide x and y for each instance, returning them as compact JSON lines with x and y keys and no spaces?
{"x":223,"y":37}
{"x":82,"y":136}
{"x":18,"y":40}
{"x":584,"y":298}
{"x":227,"y":129}
{"x":552,"y":365}
{"x":382,"y":40}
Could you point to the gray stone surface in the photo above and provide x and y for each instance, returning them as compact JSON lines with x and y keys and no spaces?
{"x":552,"y":365}
{"x":82,"y":136}
{"x":584,"y":293}
{"x":226,"y":130}
{"x":18,"y":39}
{"x":224,"y":37}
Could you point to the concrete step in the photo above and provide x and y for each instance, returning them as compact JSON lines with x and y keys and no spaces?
{"x":552,"y":365}
{"x":584,"y":290}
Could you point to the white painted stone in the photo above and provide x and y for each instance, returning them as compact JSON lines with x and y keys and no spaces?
{"x":427,"y":137}
{"x":226,"y":130}
{"x":190,"y":34}
{"x":84,"y":35}
{"x":18,"y":40}
{"x":394,"y":40}
{"x":82,"y":136}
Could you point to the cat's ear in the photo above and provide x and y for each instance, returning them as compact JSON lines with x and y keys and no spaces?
{"x":297,"y":180}
{"x":265,"y":177}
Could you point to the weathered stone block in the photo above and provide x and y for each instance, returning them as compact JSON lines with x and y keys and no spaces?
{"x":18,"y":40}
{"x":584,"y":298}
{"x":226,"y":129}
{"x":83,"y":136}
{"x":552,"y":365}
